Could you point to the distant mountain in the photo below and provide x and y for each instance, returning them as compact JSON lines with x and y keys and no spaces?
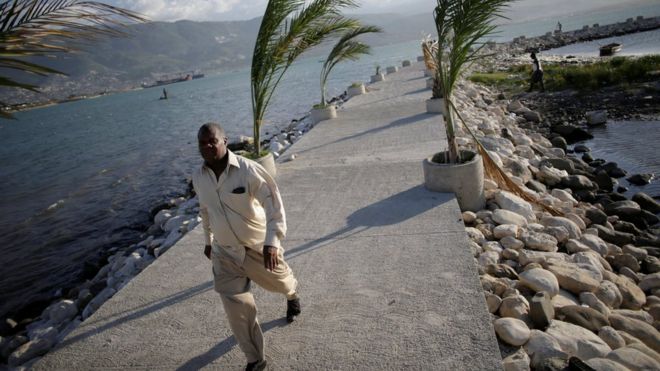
{"x":160,"y":49}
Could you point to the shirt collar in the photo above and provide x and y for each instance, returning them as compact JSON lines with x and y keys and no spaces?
{"x":232,"y":161}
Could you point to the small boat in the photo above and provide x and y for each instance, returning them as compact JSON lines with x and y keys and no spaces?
{"x":610,"y":49}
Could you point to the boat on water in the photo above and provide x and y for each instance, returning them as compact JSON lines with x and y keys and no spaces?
{"x":179,"y":78}
{"x":610,"y":49}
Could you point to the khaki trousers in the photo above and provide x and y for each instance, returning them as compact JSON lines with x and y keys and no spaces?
{"x":232,"y":282}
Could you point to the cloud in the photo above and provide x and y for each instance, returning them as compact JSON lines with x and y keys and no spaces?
{"x":198,"y":10}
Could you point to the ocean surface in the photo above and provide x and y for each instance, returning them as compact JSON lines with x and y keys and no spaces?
{"x":81,"y":177}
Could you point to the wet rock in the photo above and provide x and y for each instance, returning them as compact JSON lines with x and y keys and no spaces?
{"x":640,"y":179}
{"x":585,"y":317}
{"x":587,"y":158}
{"x":512,"y":331}
{"x":595,"y":118}
{"x":572,"y":133}
{"x":580,"y":148}
{"x":604,"y":181}
{"x":613,"y":170}
{"x":578,"y":182}
{"x":532,"y":116}
{"x":541,"y":311}
{"x":626,"y":227}
{"x":541,"y":346}
{"x":647,"y":202}
{"x":577,"y":341}
{"x":646,"y":333}
{"x":596,"y":216}
{"x":633,"y":359}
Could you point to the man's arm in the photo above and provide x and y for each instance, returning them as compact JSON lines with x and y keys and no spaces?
{"x":264,"y":189}
{"x":206,"y":225}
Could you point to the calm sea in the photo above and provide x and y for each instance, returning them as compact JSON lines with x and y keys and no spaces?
{"x":79,"y":178}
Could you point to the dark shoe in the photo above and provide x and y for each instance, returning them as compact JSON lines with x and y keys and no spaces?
{"x":256,"y":366}
{"x":292,"y":309}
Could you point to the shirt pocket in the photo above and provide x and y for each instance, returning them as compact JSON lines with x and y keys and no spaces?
{"x":238,"y":203}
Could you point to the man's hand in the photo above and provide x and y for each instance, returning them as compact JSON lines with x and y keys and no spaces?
{"x":207,"y":251}
{"x":270,"y":257}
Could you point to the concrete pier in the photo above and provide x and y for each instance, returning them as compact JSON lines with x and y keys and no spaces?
{"x":387,"y":281}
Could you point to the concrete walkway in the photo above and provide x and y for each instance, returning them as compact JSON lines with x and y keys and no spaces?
{"x":386,"y":277}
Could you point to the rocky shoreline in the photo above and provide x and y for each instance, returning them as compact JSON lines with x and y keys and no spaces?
{"x":583,"y":287}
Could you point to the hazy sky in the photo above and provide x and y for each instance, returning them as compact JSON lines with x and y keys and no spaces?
{"x":220,"y":10}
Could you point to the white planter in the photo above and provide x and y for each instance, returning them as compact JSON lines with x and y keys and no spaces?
{"x":429,"y":73}
{"x":420,"y":58}
{"x":356,"y":90}
{"x":435,"y":106}
{"x":466,"y":180}
{"x":429,"y":83}
{"x":392,"y":69}
{"x":406,"y":63}
{"x":321,"y":114}
{"x":268,"y":162}
{"x":378,"y":77}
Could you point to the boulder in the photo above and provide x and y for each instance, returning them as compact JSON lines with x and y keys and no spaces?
{"x":581,"y":148}
{"x":595,"y":243}
{"x":608,"y":292}
{"x":640,"y":179}
{"x":646,"y":202}
{"x":596,"y":216}
{"x":493,"y":302}
{"x":511,"y":243}
{"x":514,"y":307}
{"x":623,"y":208}
{"x":650,"y":282}
{"x":584,"y":317}
{"x":539,"y":241}
{"x":541,"y":311}
{"x":505,"y":230}
{"x":469,"y":217}
{"x":604,"y":364}
{"x":541,"y":346}
{"x":561,"y":164}
{"x":29,"y":350}
{"x":530,"y":256}
{"x":604,"y":181}
{"x":633,"y":359}
{"x":595,"y":118}
{"x":511,"y":202}
{"x":632,"y":296}
{"x":574,"y":246}
{"x":532,"y":116}
{"x":639,"y":253}
{"x":611,"y":337}
{"x":550,"y":176}
{"x":518,"y":361}
{"x":558,"y":221}
{"x":489,"y":258}
{"x":563,"y":299}
{"x":540,"y":280}
{"x":63,"y":310}
{"x":559,"y":142}
{"x":501,"y":216}
{"x":612,"y":236}
{"x":577,"y":341}
{"x":578,"y":183}
{"x":646,"y":333}
{"x":512,"y":331}
{"x":559,"y":233}
{"x":573,"y":278}
{"x":475,"y":235}
{"x":501,"y":270}
{"x":590,"y":299}
{"x":639,"y":315}
{"x":619,"y":261}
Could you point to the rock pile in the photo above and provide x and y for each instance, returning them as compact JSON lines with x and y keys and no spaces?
{"x":582,"y":286}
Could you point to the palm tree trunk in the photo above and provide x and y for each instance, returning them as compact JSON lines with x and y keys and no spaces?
{"x":452,"y":146}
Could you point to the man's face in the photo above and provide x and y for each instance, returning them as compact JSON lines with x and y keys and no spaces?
{"x":212,"y":145}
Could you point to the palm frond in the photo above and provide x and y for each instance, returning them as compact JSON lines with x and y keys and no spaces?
{"x":288,"y":29}
{"x":47,"y":27}
{"x":346,"y":48}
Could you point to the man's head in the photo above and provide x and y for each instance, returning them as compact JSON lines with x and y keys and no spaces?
{"x":212,"y":142}
{"x":533,"y":55}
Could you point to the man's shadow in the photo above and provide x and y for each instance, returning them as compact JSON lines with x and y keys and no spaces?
{"x":392,"y":210}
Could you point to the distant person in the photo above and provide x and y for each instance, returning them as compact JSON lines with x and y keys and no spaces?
{"x":537,"y":73}
{"x":244,"y":222}
{"x":558,"y":26}
{"x":164,"y":96}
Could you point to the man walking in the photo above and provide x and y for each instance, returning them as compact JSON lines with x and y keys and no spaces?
{"x":244,"y":222}
{"x":537,"y":73}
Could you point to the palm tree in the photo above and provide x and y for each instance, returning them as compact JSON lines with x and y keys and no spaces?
{"x":43,"y":28}
{"x":346,"y":49}
{"x":461,"y":24}
{"x":289,"y":28}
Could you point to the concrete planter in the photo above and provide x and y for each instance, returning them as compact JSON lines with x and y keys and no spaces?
{"x":392,"y":69}
{"x":268,"y":162}
{"x":326,"y":113}
{"x":356,"y":90}
{"x":429,"y":73}
{"x":420,"y":58}
{"x":466,"y":180}
{"x":378,"y":77}
{"x":406,"y":63}
{"x":436,"y":105}
{"x":429,"y":83}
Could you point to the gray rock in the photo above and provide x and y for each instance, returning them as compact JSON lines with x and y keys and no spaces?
{"x":650,"y":282}
{"x":511,"y":202}
{"x":603,"y":364}
{"x":539,"y":241}
{"x":512,"y":331}
{"x":577,"y":341}
{"x":518,"y":361}
{"x":540,"y":280}
{"x":512,"y":243}
{"x":469,"y":217}
{"x":640,"y":179}
{"x":558,"y":221}
{"x":623,"y":208}
{"x":646,"y":350}
{"x":595,"y":243}
{"x":581,"y":148}
{"x":590,"y":299}
{"x":639,"y":315}
{"x":561,"y":164}
{"x":651,"y":264}
{"x":536,"y":186}
{"x":475,"y":235}
{"x":573,"y":278}
{"x":559,"y":142}
{"x":647,"y":202}
{"x":559,"y":233}
{"x":541,"y":311}
{"x":501,"y":270}
{"x":624,"y":260}
{"x":514,"y":307}
{"x":612,"y":236}
{"x":595,"y":118}
{"x":633,"y":359}
{"x":63,"y":310}
{"x":596,"y":216}
{"x":611,"y":337}
{"x":646,"y":333}
{"x":574,"y":246}
{"x":532,"y":116}
{"x":29,"y":350}
{"x":604,"y":181}
{"x":530,"y":256}
{"x":613,"y":170}
{"x":632,"y":296}
{"x":608,"y":292}
{"x":625,"y":271}
{"x":501,"y":216}
{"x":541,"y":346}
{"x":585,"y":317}
{"x":505,"y":230}
{"x":493,"y":302}
{"x":639,"y":253}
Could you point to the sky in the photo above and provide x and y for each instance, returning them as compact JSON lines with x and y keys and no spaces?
{"x":224,"y":10}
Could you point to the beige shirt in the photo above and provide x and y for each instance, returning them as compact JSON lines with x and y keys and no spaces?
{"x":243,"y":207}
